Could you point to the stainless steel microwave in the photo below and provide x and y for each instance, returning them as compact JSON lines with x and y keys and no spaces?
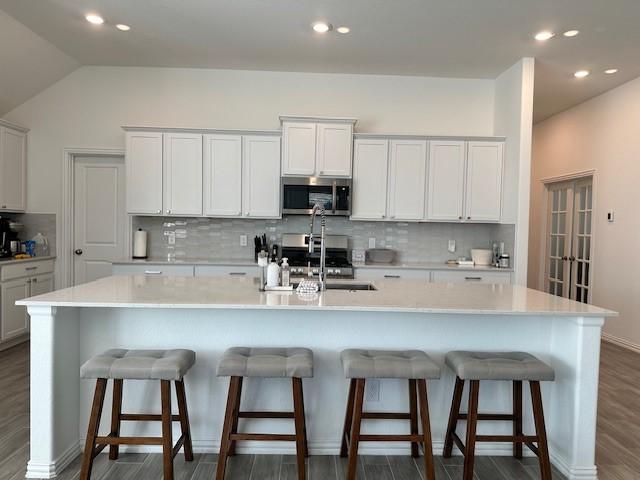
{"x":300,"y":194}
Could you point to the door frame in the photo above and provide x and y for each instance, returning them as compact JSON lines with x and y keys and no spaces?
{"x":65,"y":221}
{"x":545,"y":224}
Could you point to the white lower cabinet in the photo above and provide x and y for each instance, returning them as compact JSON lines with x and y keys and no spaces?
{"x":226,"y":270}
{"x":20,"y":281}
{"x":471,"y":277}
{"x":391,"y":274}
{"x":154,"y":270}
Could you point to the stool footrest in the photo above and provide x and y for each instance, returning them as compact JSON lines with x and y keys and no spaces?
{"x":497,"y":417}
{"x":265,"y":415}
{"x":506,"y":438}
{"x":391,"y":438}
{"x":385,"y":416}
{"x":263,"y":436}
{"x":145,"y":417}
{"x":109,"y":440}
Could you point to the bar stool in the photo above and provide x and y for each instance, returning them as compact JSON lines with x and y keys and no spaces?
{"x":240,"y":362}
{"x":412,"y":365}
{"x":119,"y":365}
{"x":508,"y":366}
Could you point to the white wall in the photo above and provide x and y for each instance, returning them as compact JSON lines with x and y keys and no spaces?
{"x":513,"y":117}
{"x":87,"y":108}
{"x":601,"y":134}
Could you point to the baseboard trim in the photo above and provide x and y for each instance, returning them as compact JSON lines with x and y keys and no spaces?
{"x":52,"y":470}
{"x":621,"y":342}
{"x":14,"y":342}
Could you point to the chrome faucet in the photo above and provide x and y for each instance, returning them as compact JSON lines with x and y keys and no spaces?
{"x":321,"y":272}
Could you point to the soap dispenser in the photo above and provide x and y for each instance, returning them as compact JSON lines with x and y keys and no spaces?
{"x":273,"y":274}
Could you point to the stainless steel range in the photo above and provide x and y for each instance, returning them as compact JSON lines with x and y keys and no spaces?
{"x":296,"y":248}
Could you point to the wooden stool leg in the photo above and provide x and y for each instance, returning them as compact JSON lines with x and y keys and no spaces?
{"x":426,"y":430}
{"x":116,"y":411}
{"x":472,"y":422}
{"x":413,"y":421}
{"x":234,"y":427}
{"x":167,"y":436}
{"x":184,"y":420}
{"x":304,"y":421}
{"x":517,"y":417}
{"x":348,"y":418}
{"x":453,"y":418}
{"x":92,"y":431}
{"x":355,"y":429}
{"x":229,"y":415}
{"x":298,"y":413}
{"x":541,"y":433}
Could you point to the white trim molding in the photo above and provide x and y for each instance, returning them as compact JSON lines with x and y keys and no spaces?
{"x":64,"y":222}
{"x":13,"y":126}
{"x":569,"y":176}
{"x":621,"y":342}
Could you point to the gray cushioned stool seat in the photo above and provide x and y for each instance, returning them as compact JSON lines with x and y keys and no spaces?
{"x":139,"y":364}
{"x":409,"y":364}
{"x":498,"y":366}
{"x":266,"y":362}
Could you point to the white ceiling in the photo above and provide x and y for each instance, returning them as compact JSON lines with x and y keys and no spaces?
{"x":446,"y":38}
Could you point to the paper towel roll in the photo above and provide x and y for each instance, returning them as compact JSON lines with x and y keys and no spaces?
{"x":140,"y":244}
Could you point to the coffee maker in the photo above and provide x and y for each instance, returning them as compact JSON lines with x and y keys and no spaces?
{"x":6,"y":235}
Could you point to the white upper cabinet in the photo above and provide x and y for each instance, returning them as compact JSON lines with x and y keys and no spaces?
{"x":222,"y":175}
{"x":407,"y":177}
{"x":320,"y":148}
{"x":446,"y":180}
{"x":182,"y":174}
{"x":333,"y":149}
{"x":13,"y":169}
{"x":299,"y":148}
{"x":484,"y":181}
{"x":370,"y":164}
{"x":261,"y":176}
{"x":144,"y":173}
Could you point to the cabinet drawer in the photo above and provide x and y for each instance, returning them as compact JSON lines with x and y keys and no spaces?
{"x":226,"y":270}
{"x":391,"y":273}
{"x":26,"y":269}
{"x":471,"y":277}
{"x":157,"y":270}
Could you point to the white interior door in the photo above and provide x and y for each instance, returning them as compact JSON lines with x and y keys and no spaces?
{"x":99,"y":216}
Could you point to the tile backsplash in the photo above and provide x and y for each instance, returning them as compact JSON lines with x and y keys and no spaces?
{"x":215,"y":238}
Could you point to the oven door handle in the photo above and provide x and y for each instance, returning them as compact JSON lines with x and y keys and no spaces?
{"x":334,"y":197}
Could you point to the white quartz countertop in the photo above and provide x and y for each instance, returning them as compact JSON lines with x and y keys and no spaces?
{"x":242,"y":293}
{"x":11,"y":261}
{"x":249,"y":262}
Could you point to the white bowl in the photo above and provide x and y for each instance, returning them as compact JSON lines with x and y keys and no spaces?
{"x":481,"y":256}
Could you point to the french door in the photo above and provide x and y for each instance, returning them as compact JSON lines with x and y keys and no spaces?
{"x":568,"y":270}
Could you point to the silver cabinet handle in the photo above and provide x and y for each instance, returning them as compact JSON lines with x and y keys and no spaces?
{"x":460,"y":217}
{"x":468,"y":218}
{"x":29,"y":280}
{"x":31,"y":268}
{"x":153,"y":272}
{"x":34,"y":280}
{"x":473,"y":278}
{"x":392,"y":276}
{"x":168,"y":211}
{"x":4,"y":206}
{"x":237,"y":273}
{"x":159,"y":211}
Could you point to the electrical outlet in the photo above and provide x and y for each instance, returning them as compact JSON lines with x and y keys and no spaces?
{"x":243,"y":240}
{"x":372,"y":391}
{"x":372,"y":242}
{"x":452,"y":246}
{"x":171,"y":238}
{"x":610,"y":216}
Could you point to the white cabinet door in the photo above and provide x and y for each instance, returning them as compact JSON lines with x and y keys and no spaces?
{"x":226,"y":271}
{"x":407,"y":179}
{"x":223,"y":175}
{"x":333,"y":149}
{"x":446,"y":180}
{"x":443,"y":276}
{"x":144,"y":173}
{"x":370,"y":164}
{"x":261,"y":176}
{"x":484,"y":181}
{"x":298,"y":148}
{"x":14,"y":320}
{"x":182,"y":174}
{"x":13,"y":170}
{"x":153,"y":270}
{"x":41,"y":284}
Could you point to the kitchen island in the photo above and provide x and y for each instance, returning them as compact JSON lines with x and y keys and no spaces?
{"x":210,"y":314}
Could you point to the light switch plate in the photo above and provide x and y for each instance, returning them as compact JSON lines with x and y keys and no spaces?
{"x":452,"y":246}
{"x":610,"y":216}
{"x":243,"y":240}
{"x":372,"y":242}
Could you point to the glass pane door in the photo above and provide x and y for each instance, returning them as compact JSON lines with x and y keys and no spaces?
{"x":559,"y":241}
{"x":581,"y":253}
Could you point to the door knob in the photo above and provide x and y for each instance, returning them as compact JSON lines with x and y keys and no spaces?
{"x":78,"y":251}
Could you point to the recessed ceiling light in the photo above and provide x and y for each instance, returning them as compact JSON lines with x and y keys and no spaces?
{"x":95,"y":19}
{"x":122,"y":27}
{"x":581,"y":73}
{"x":343,"y":29}
{"x":571,"y":33}
{"x":611,"y":71}
{"x":321,"y":27}
{"x":544,"y":36}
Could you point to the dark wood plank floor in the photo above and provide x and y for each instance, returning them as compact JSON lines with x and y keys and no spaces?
{"x":618,"y":454}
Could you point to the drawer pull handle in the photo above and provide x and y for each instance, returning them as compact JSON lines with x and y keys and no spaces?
{"x":153,"y":272}
{"x":392,"y":276}
{"x":31,"y":268}
{"x":473,"y":278}
{"x":237,"y":273}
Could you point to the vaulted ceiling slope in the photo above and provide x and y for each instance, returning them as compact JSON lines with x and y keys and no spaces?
{"x":28,"y":63}
{"x":445,"y":38}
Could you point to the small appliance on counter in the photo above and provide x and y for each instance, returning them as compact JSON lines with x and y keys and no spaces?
{"x":504,"y":261}
{"x":8,"y":237}
{"x":380,"y":256}
{"x":482,"y":256}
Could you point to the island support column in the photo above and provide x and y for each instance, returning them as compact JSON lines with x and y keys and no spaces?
{"x":54,"y":390}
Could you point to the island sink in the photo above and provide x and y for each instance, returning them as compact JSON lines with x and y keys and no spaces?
{"x":347,"y":286}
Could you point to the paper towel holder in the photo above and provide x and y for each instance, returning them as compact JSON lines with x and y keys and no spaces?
{"x":140,"y":244}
